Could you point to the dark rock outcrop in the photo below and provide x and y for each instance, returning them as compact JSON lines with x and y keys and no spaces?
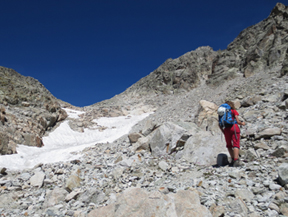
{"x":28,"y":110}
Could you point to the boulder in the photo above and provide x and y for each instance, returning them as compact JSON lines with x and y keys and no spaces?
{"x":284,"y":209}
{"x":261,"y":145}
{"x":37,"y":179}
{"x":51,"y":119}
{"x":237,"y":206}
{"x":279,"y":152}
{"x":268,"y":133}
{"x":237,"y":103}
{"x":30,"y":139}
{"x":139,"y":202}
{"x":3,"y":170}
{"x":4,"y":141}
{"x":164,"y":138}
{"x":250,"y":155}
{"x":252,"y":115}
{"x":12,"y":147}
{"x":208,"y":107}
{"x":203,"y":148}
{"x":73,"y":181}
{"x":217,"y":210}
{"x":133,"y":137}
{"x":283,"y":174}
{"x":149,"y":126}
{"x":55,"y":196}
{"x":141,"y":144}
{"x":163,"y":165}
{"x":251,"y":100}
{"x":92,"y":195}
{"x":62,"y":115}
{"x":208,"y":117}
{"x":72,"y":195}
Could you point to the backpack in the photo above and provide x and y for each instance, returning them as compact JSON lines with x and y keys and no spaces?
{"x":225,"y":117}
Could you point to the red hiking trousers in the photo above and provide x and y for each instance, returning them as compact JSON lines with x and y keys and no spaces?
{"x":232,"y":136}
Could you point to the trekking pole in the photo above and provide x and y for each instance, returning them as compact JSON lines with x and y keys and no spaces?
{"x":235,"y":131}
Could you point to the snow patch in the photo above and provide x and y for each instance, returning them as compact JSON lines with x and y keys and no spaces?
{"x":64,"y":144}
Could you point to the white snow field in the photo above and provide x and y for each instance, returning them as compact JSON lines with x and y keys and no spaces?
{"x":63,"y":143}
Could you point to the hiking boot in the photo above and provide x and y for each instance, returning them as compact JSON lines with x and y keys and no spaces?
{"x":232,"y":163}
{"x":237,"y":163}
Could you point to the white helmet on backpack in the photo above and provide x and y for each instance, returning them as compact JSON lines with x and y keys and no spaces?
{"x":221,"y":111}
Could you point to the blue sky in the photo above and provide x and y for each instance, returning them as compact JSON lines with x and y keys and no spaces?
{"x":86,"y":51}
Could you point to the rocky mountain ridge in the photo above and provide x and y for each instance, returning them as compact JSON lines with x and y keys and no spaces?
{"x":168,"y":161}
{"x":29,"y":110}
{"x":262,"y":47}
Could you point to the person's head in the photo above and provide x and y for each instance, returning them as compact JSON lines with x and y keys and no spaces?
{"x":231,"y":104}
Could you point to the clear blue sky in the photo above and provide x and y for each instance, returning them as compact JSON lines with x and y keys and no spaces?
{"x":86,"y":51}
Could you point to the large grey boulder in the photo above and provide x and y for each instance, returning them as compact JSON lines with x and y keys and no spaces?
{"x":139,"y":202}
{"x":164,"y":138}
{"x":37,"y":179}
{"x":203,"y":148}
{"x":268,"y":133}
{"x":283,"y":174}
{"x":92,"y":195}
{"x":133,"y":137}
{"x":208,"y":117}
{"x":55,"y":196}
{"x":251,"y":100}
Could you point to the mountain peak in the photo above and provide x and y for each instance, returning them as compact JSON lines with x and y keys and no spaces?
{"x":279,"y":9}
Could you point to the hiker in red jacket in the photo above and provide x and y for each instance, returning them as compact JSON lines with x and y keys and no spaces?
{"x":232,"y":136}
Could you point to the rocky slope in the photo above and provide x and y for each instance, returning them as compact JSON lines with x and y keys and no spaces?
{"x":28,"y":111}
{"x":166,"y":166}
{"x":259,"y":48}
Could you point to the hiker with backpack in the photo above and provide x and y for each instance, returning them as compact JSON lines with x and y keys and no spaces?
{"x":228,"y":123}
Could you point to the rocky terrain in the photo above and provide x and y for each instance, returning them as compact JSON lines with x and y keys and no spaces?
{"x":174,"y":162}
{"x":28,"y":110}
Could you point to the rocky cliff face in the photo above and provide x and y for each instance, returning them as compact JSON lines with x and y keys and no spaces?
{"x":28,"y":111}
{"x":262,"y":47}
{"x":167,"y":158}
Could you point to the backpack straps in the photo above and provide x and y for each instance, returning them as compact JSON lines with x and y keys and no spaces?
{"x":235,"y":132}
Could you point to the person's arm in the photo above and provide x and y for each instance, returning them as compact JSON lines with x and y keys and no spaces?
{"x":238,"y":121}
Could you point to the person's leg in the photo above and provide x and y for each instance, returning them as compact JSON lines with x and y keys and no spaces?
{"x":235,"y":153}
{"x":236,"y":145}
{"x":231,"y":152}
{"x":236,"y":162}
{"x":228,"y":139}
{"x":235,"y":134}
